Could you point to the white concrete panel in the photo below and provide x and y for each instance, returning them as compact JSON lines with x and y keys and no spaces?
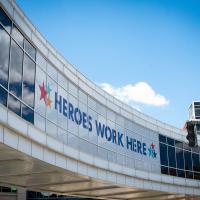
{"x":61,"y":161}
{"x":111,"y":177}
{"x":54,"y":144}
{"x":102,"y":174}
{"x":39,"y":44}
{"x":82,"y":168}
{"x":10,"y":138}
{"x":37,"y":151}
{"x":92,"y":172}
{"x":121,"y":179}
{"x":1,"y":133}
{"x":138,"y":183}
{"x":71,"y":152}
{"x":36,"y":135}
{"x":129,"y":181}
{"x":141,"y":174}
{"x":70,"y":75}
{"x":22,"y":24}
{"x":72,"y":165}
{"x":115,"y":167}
{"x":17,"y":123}
{"x":86,"y":158}
{"x":148,"y":185}
{"x":100,"y":163}
{"x":24,"y":145}
{"x":167,"y":179}
{"x":49,"y":156}
{"x":156,"y":186}
{"x":4,"y":114}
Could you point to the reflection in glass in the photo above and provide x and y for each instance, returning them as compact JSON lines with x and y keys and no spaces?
{"x":14,"y":105}
{"x":196,"y":163}
{"x":17,"y":36}
{"x":28,"y":81}
{"x":162,"y":138}
{"x":163,"y":154}
{"x":5,"y":21}
{"x":16,"y":70}
{"x":179,"y":158}
{"x":181,"y":173}
{"x":29,"y":49}
{"x":164,"y":170}
{"x":27,"y":114}
{"x":188,"y":160}
{"x":171,"y":156}
{"x":4,"y":56}
{"x":3,"y":96}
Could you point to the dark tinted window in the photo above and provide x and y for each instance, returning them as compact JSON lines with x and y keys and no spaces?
{"x":188,"y":174}
{"x":14,"y":105}
{"x":30,"y":49}
{"x":164,"y":170}
{"x":5,"y":21}
{"x":28,"y":81}
{"x":162,"y":138}
{"x":163,"y":154}
{"x":180,"y":158}
{"x":196,"y":163}
{"x":27,"y":114}
{"x":188,"y":160}
{"x":16,"y":70}
{"x":178,"y":144}
{"x":180,"y":173}
{"x":17,"y":36}
{"x":4,"y":56}
{"x":171,"y":156}
{"x":170,"y":141}
{"x":3,"y":96}
{"x":172,"y":171}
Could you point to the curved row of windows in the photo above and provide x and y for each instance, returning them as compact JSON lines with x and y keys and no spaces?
{"x":17,"y":70}
{"x":17,"y":89}
{"x":178,"y":159}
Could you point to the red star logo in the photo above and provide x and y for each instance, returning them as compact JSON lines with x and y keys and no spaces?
{"x":43,"y":92}
{"x":153,"y":146}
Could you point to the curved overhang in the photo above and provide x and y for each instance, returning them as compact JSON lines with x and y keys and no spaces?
{"x":35,"y":157}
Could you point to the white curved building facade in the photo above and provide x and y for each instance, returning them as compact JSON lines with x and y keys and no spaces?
{"x":61,"y":133}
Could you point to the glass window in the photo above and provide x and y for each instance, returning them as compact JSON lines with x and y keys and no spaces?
{"x":181,"y":173}
{"x":5,"y":21}
{"x":17,"y":36}
{"x":163,"y":154}
{"x":27,"y":114}
{"x":162,"y":138}
{"x":179,"y":158}
{"x":3,"y":96}
{"x":16,"y":70}
{"x":14,"y":105}
{"x":29,"y":49}
{"x":164,"y":170}
{"x":4,"y":56}
{"x":188,"y":160}
{"x":28,"y":81}
{"x":170,"y":141}
{"x":171,"y":156}
{"x":172,"y":171}
{"x":196,"y":163}
{"x":178,"y":144}
{"x":188,"y":174}
{"x":197,"y":176}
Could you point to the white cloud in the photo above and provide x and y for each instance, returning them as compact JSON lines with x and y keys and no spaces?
{"x":140,"y":92}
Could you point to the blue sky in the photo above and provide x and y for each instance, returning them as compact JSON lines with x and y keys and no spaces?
{"x":132,"y":46}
